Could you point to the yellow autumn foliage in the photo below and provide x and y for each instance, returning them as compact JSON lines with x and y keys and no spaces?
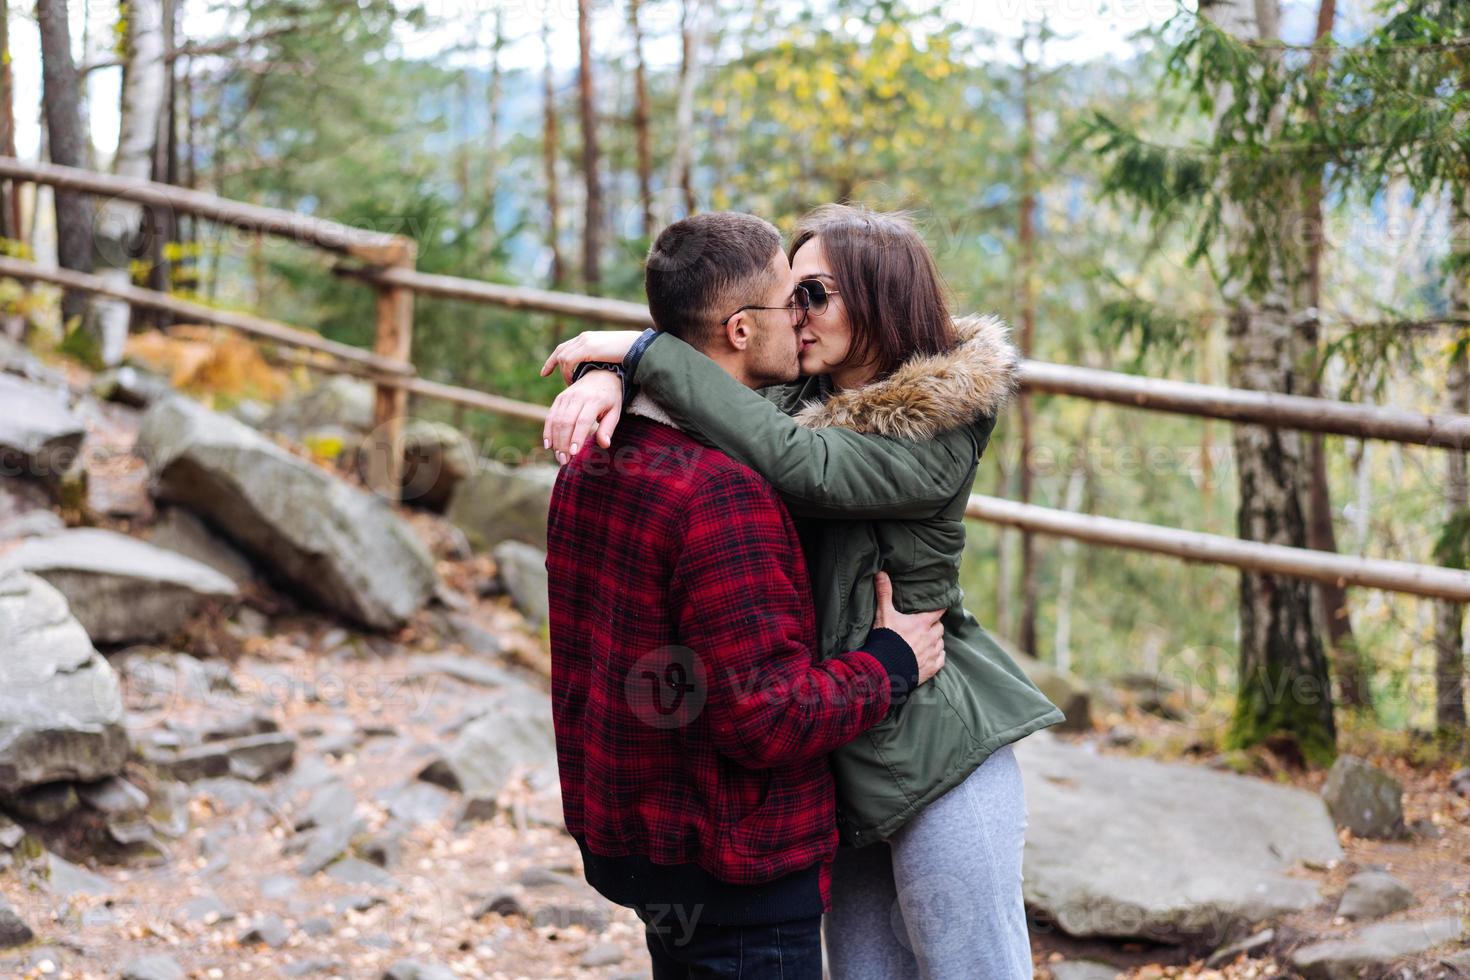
{"x":207,"y":360}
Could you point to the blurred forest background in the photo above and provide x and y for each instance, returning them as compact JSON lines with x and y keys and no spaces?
{"x":1091,"y":185}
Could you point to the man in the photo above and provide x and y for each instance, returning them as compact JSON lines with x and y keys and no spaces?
{"x":692,"y":719}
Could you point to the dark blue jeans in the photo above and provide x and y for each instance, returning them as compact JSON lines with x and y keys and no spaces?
{"x":783,"y":951}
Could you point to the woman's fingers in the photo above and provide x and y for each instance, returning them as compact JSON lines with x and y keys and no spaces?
{"x":586,"y":421}
{"x":556,"y":420}
{"x":558,"y":356}
{"x":593,"y":402}
{"x":565,"y":356}
{"x":608,"y":425}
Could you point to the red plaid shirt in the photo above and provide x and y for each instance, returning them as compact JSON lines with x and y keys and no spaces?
{"x":692,"y":718}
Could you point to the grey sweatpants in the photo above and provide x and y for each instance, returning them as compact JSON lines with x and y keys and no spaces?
{"x":941,"y":900}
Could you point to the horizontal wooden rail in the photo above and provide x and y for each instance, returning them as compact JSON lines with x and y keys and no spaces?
{"x":1431,"y":581}
{"x":468,"y":397}
{"x":381,"y":251}
{"x":244,"y":322}
{"x":369,"y":246}
{"x":1444,"y":431}
{"x":576,"y":305}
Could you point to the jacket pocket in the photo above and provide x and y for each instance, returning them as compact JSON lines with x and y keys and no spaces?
{"x":782,"y":821}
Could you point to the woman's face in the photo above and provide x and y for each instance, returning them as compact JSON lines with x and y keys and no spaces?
{"x":826,"y":339}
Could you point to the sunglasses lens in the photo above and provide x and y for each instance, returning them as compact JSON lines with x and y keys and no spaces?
{"x":816,"y":295}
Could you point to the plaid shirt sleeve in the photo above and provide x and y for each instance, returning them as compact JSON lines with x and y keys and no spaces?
{"x":743,"y":610}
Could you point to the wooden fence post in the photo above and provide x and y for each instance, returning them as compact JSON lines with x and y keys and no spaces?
{"x":394,"y":339}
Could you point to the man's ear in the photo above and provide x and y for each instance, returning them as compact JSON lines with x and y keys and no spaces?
{"x":738,"y":331}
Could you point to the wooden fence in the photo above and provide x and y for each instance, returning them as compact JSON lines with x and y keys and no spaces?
{"x":385,"y":263}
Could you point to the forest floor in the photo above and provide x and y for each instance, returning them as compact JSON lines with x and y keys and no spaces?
{"x":233,"y":867}
{"x":1435,"y":864}
{"x":226,"y":897}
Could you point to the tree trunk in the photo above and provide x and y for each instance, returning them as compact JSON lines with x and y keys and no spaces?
{"x":1003,"y":608}
{"x":165,"y":224}
{"x":1071,"y":552}
{"x":640,"y":122}
{"x":10,"y":223}
{"x":1449,"y":617}
{"x":550,"y":151}
{"x":1329,"y":599}
{"x":592,"y":226}
{"x":1027,"y":237}
{"x":692,"y":34}
{"x":66,"y":141}
{"x":492,"y":98}
{"x":1284,"y":685}
{"x":120,"y":223}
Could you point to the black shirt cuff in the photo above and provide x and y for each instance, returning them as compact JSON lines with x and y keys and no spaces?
{"x":635,"y":353}
{"x":897,"y":658}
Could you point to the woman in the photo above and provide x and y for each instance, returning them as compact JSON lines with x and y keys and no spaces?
{"x":874,"y":452}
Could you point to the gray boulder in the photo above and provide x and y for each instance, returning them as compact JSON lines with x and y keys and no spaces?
{"x":61,"y":712}
{"x":132,"y":386}
{"x":338,"y":547}
{"x":1364,"y":798}
{"x":1369,"y":951}
{"x":159,"y":966}
{"x":1123,"y":847}
{"x":498,"y":503}
{"x":39,"y":434}
{"x":251,"y":757}
{"x":437,"y":457}
{"x":523,"y":574}
{"x":340,"y":400}
{"x":515,"y":734}
{"x":1372,"y":895}
{"x":45,"y":804}
{"x":1062,"y":688}
{"x":121,"y":589}
{"x":416,"y":970}
{"x":13,"y":929}
{"x":180,"y":531}
{"x":1083,"y":970}
{"x":15,"y":358}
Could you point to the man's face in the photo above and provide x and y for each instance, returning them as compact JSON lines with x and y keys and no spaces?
{"x":772,"y":357}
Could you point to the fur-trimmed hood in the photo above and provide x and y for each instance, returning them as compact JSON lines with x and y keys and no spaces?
{"x":930,"y":394}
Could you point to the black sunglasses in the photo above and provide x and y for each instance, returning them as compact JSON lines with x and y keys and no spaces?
{"x":812,"y":294}
{"x":809,"y":297}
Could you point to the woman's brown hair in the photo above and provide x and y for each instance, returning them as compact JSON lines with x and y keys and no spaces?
{"x":895,"y":299}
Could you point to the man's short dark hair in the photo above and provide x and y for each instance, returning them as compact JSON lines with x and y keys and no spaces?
{"x":704,"y":263}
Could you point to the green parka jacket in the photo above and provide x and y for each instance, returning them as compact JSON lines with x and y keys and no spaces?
{"x":878,"y":477}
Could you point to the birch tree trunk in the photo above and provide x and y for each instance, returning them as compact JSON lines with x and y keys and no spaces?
{"x":66,"y":142}
{"x":120,"y":223}
{"x":692,"y":29}
{"x":493,"y":98}
{"x":1284,"y":688}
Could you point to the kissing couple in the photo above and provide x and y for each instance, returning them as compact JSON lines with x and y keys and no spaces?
{"x":770,"y":702}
